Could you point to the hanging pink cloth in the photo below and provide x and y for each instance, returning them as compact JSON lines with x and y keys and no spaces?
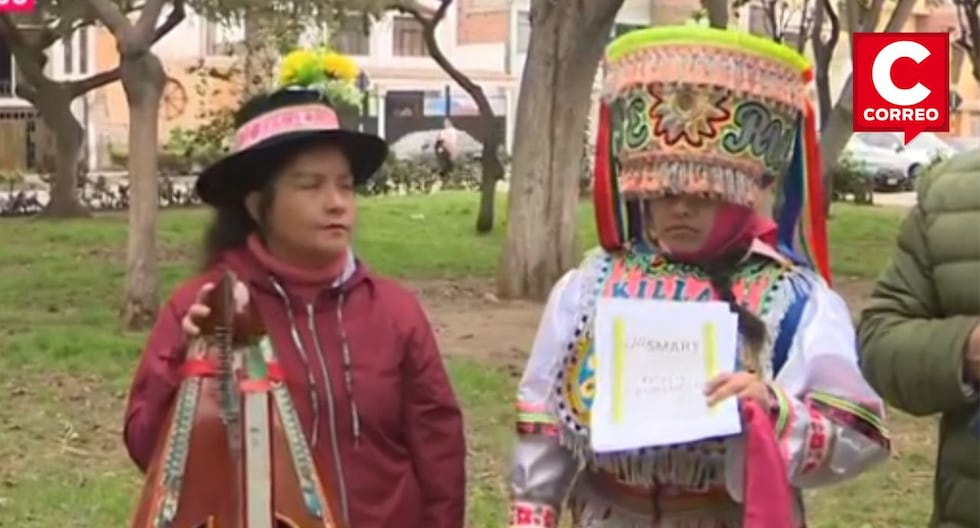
{"x":768,"y":499}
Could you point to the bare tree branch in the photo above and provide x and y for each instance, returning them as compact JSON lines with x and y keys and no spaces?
{"x":823,"y":53}
{"x":110,"y":15}
{"x":72,"y":15}
{"x":853,"y":19}
{"x":92,"y":82}
{"x":805,"y":26}
{"x":147,"y":21}
{"x":98,"y":80}
{"x":834,"y":18}
{"x":176,"y":16}
{"x":82,"y":15}
{"x":429,"y":24}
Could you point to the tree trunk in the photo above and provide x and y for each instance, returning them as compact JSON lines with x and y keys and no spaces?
{"x":824,"y":101}
{"x":823,"y":53}
{"x":567,"y":41}
{"x":491,"y":171}
{"x":143,"y":79}
{"x":54,"y":106}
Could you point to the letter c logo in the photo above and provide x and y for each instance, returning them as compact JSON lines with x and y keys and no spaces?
{"x":881,"y":73}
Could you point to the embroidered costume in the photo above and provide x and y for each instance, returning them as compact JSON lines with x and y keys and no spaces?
{"x":720,"y":114}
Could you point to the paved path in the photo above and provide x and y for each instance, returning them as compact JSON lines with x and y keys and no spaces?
{"x":901,"y":199}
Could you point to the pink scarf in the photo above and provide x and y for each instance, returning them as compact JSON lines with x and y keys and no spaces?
{"x":768,"y":497}
{"x":735,"y":227}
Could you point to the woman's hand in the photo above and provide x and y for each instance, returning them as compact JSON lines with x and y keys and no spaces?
{"x":740,"y":384}
{"x":199,"y":311}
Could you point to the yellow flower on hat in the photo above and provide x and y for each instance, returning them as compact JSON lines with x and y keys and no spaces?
{"x":339,"y":66}
{"x":300,"y":68}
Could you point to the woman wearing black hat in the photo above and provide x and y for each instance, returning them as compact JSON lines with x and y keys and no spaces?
{"x":356,"y":350}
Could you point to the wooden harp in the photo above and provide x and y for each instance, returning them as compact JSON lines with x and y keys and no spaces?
{"x":232,"y":453}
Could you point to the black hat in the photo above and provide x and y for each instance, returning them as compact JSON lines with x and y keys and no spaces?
{"x":284,"y":119}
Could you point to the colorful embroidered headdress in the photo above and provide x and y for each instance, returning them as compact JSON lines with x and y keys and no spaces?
{"x":692,"y":110}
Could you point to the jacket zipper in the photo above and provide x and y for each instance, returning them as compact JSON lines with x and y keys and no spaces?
{"x":331,"y":412}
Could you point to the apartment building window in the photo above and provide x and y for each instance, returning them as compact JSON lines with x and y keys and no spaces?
{"x":523,"y":31}
{"x":68,"y":53}
{"x":353,"y":36}
{"x":407,"y":38}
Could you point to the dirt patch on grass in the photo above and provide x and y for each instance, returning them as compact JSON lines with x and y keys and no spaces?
{"x":471,"y":322}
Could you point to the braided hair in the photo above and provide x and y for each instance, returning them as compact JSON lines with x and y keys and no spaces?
{"x":751,"y":329}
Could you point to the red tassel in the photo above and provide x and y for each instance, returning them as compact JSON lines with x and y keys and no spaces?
{"x":817,"y":220}
{"x":768,"y":496}
{"x":604,"y":194}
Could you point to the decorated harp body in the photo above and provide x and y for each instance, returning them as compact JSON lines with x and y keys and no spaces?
{"x":232,"y":453}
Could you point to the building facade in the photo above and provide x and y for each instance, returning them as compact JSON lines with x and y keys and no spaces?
{"x":406,"y":89}
{"x":20,"y":127}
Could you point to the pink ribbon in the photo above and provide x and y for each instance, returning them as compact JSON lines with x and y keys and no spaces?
{"x":300,"y":118}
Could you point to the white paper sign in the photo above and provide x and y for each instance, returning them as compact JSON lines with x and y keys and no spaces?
{"x":654,"y":359}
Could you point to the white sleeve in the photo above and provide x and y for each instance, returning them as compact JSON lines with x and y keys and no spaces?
{"x":829,"y":422}
{"x":542,"y":470}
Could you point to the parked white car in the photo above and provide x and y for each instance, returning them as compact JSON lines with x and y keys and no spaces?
{"x":884,"y":157}
{"x":420,"y":145}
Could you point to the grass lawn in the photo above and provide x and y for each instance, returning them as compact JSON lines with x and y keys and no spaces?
{"x":64,"y":365}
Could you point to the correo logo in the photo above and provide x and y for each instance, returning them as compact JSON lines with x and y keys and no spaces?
{"x":16,"y":6}
{"x":901,"y":83}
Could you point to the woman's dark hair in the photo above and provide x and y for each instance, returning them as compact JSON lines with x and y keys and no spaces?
{"x":750,"y":327}
{"x":232,"y":224}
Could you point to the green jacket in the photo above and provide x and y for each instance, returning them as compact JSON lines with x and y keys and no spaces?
{"x":922,"y":311}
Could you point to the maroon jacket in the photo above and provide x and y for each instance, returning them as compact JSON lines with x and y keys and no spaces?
{"x":407,"y":467}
